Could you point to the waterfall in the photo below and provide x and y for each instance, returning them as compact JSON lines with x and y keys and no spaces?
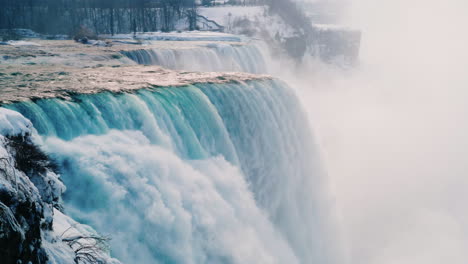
{"x":212,"y":57}
{"x":205,"y":173}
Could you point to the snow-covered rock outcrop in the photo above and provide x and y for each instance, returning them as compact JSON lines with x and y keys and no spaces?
{"x":22,"y":209}
{"x":32,"y":229}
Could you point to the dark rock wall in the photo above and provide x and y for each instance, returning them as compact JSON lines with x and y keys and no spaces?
{"x":27,"y":197}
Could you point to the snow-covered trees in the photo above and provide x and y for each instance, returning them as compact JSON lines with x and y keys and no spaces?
{"x":102,"y":16}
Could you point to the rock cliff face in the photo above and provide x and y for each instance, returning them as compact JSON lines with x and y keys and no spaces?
{"x":29,"y":190}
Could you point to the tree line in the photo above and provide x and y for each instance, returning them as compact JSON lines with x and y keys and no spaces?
{"x":233,"y":2}
{"x":100,"y":16}
{"x":112,"y":16}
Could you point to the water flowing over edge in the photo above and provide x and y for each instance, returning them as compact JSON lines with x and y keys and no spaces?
{"x":211,"y":57}
{"x":206,"y":173}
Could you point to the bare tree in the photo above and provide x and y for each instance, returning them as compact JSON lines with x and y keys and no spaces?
{"x":103,"y":16}
{"x":89,"y":249}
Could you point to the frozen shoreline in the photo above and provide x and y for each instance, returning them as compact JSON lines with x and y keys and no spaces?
{"x":56,"y":68}
{"x":59,"y":81}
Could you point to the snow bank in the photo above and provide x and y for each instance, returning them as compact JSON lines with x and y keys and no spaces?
{"x":65,"y":227}
{"x":13,"y":123}
{"x":20,"y":43}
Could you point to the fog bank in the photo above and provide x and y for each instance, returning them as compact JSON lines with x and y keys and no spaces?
{"x":394,"y":132}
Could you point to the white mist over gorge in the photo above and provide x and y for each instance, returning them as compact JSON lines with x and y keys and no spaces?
{"x":393,"y":132}
{"x":261,"y":131}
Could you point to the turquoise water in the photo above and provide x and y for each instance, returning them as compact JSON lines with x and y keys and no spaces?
{"x":207,"y":173}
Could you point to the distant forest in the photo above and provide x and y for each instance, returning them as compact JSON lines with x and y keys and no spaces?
{"x":103,"y":16}
{"x":100,"y":16}
{"x":124,"y":16}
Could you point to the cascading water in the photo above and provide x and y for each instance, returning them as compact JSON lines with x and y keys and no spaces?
{"x":212,"y":57}
{"x":206,"y":173}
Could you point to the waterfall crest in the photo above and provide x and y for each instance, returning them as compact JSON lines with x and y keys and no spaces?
{"x":206,"y":173}
{"x":212,"y":57}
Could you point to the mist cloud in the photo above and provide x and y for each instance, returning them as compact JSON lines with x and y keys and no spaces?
{"x":394,"y":132}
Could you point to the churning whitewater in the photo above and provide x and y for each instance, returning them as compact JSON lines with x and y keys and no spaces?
{"x":204,"y":173}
